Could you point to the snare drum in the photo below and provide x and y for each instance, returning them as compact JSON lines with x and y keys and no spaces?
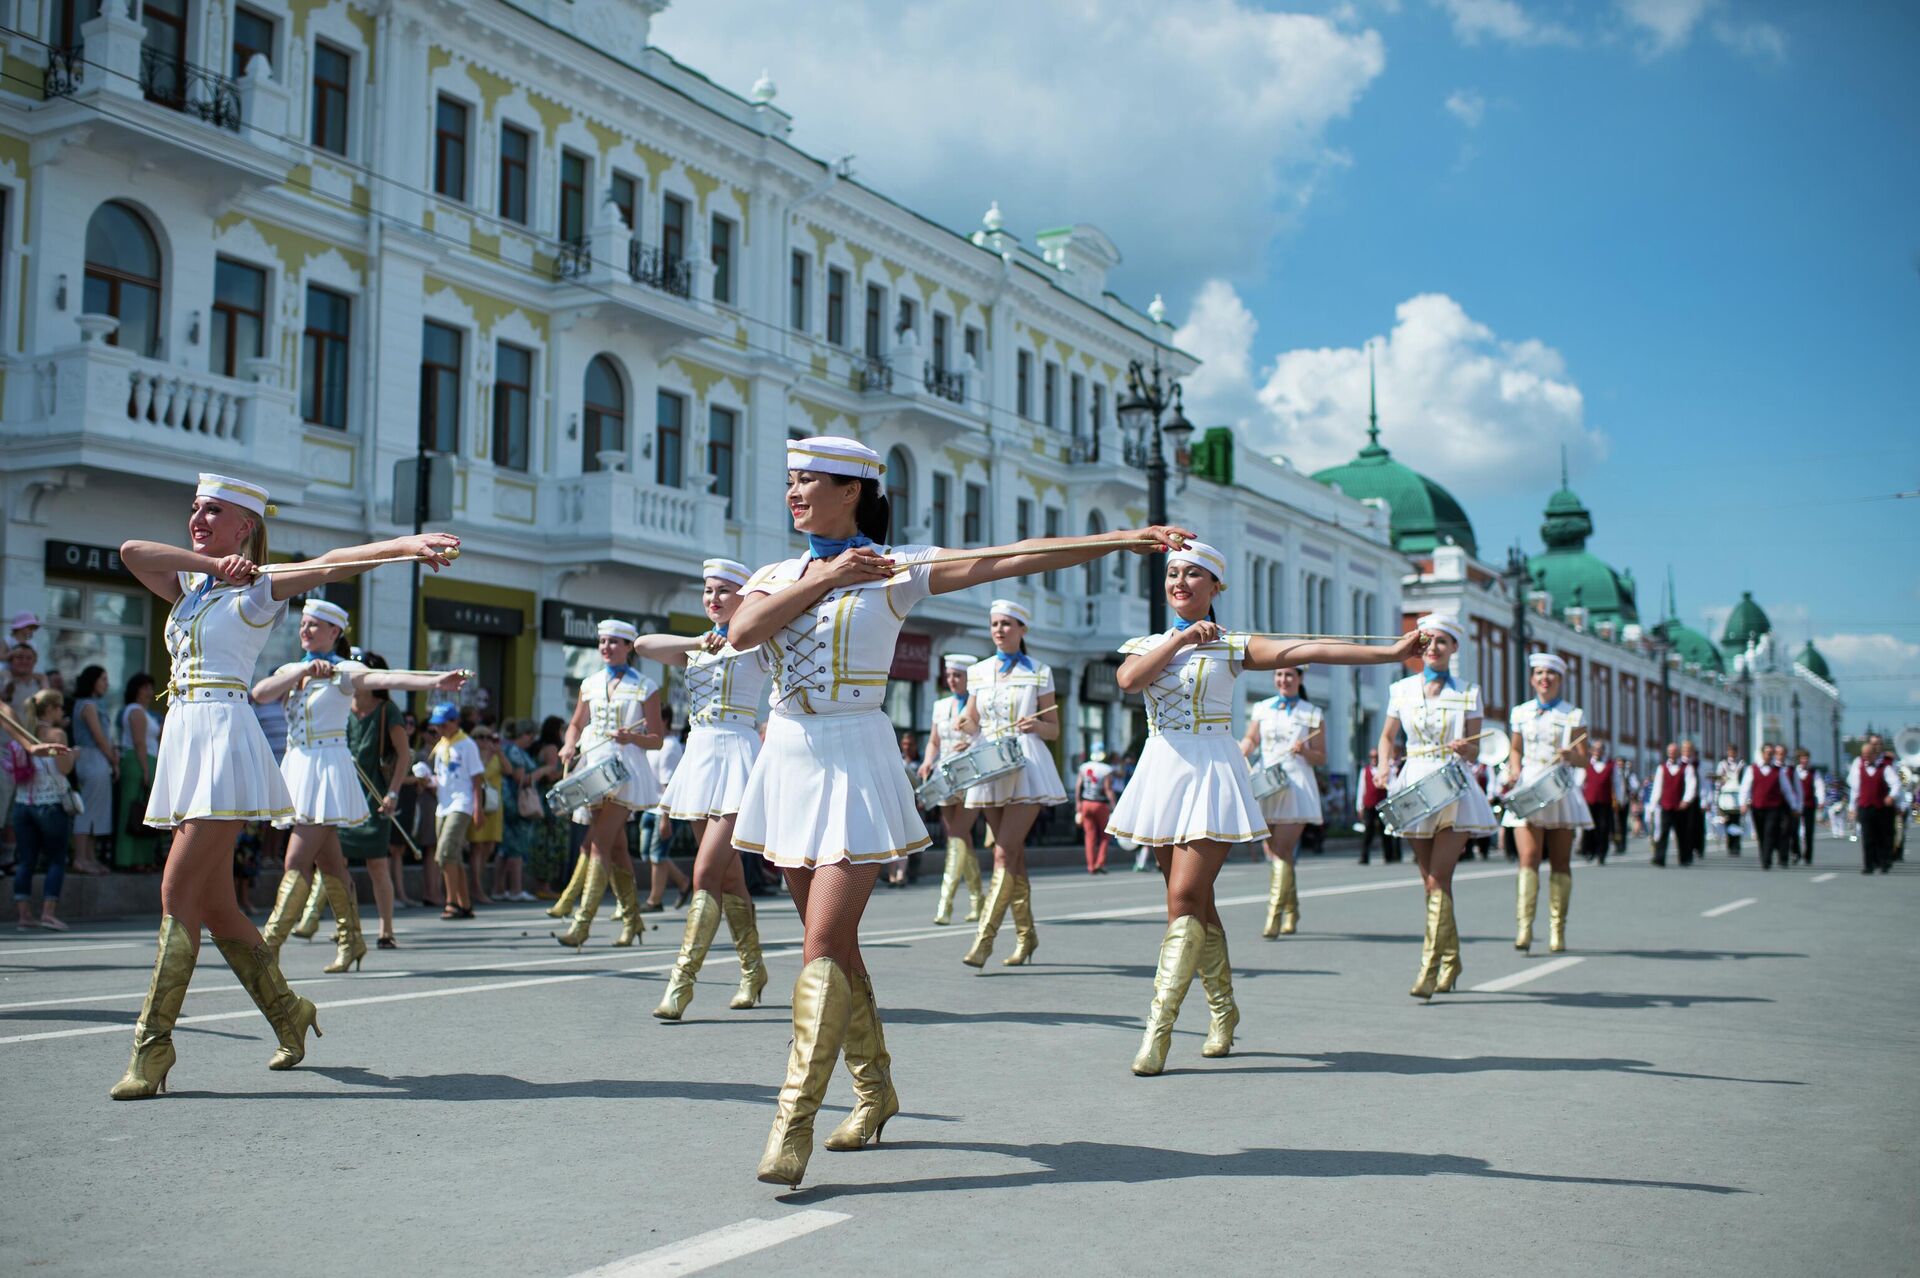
{"x":588,"y":785}
{"x":1434,"y":792}
{"x":1729,"y":802}
{"x":935,"y":792}
{"x":1542,"y":792}
{"x":988,"y":760}
{"x":1269,"y":781}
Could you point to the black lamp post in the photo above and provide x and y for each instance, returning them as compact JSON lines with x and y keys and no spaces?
{"x":1151,"y":394}
{"x":1796,"y":718}
{"x":1517,"y":573}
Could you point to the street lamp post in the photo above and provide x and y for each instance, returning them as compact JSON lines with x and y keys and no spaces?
{"x":1517,"y":571}
{"x":1152,"y":393}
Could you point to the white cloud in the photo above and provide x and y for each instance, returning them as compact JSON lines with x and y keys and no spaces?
{"x":1467,"y":106}
{"x":1660,"y":27}
{"x":1761,"y":41}
{"x":1188,"y":132}
{"x":1869,"y":654}
{"x":1478,"y":412}
{"x":1502,"y":20}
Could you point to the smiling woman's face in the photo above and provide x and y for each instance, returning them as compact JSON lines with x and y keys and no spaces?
{"x":1007,"y":633}
{"x":1440,"y":649}
{"x":1190,"y":590}
{"x":217,"y":528}
{"x":818,"y":503}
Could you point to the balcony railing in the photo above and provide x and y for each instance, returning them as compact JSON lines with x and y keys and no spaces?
{"x":649,"y":264}
{"x":574,"y":259}
{"x":179,"y":84}
{"x":62,"y":76}
{"x":876,"y":377}
{"x":946,"y":383}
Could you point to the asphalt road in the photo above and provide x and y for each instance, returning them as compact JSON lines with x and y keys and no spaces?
{"x":1719,"y":1081}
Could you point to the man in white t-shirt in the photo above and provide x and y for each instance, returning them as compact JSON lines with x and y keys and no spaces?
{"x":456,"y":777}
{"x":1093,"y":803}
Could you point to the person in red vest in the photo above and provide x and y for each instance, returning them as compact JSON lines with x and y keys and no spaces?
{"x":1813,"y":797}
{"x":1604,"y":784}
{"x":1770,"y":798}
{"x":1873,"y":791}
{"x":1374,"y":783}
{"x":1675,"y":786}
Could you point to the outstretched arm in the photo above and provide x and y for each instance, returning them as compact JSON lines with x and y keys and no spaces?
{"x":288,"y":677}
{"x":672,"y":650}
{"x":410,"y":680}
{"x":1276,"y":654}
{"x":430,"y":549}
{"x":1044,"y":554}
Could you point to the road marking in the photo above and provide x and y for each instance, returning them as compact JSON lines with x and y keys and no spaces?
{"x":1822,"y":878}
{"x":718,"y":1246}
{"x":75,"y":947}
{"x":1528,"y":974}
{"x":1729,"y":907}
{"x":1342,"y":889}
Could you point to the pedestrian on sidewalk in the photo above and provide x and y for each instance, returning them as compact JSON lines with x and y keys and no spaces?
{"x":40,"y":813}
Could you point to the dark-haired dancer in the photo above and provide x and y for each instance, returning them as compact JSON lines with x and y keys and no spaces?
{"x":1288,"y":730}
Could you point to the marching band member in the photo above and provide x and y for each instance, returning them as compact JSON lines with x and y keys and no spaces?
{"x":1675,"y":786}
{"x":1726,"y":778}
{"x":1288,"y":730}
{"x":1769,"y":794}
{"x":215,"y":771}
{"x":319,"y":772}
{"x":1603,"y":784}
{"x":1191,"y":798}
{"x":1874,"y":793}
{"x":828,"y":801}
{"x":956,"y":819}
{"x":1008,"y":696}
{"x":1545,"y":734}
{"x":724,"y":690}
{"x":1813,"y":797}
{"x":618,"y":716}
{"x":1441,"y":717}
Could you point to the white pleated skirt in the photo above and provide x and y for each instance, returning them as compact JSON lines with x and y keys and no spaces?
{"x":324,"y":788}
{"x":1569,"y":812}
{"x":641,"y":789}
{"x":215,"y":765}
{"x":713,"y":773}
{"x":1037,"y":781}
{"x":1188,"y":787}
{"x":828,"y":788}
{"x":1299,"y":803}
{"x":1470,"y":814}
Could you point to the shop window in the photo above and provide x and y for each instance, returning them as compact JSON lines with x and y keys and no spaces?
{"x":97,"y":624}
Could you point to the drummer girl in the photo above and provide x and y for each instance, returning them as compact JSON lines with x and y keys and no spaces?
{"x":319,"y":771}
{"x":724,"y":689}
{"x":945,"y":742}
{"x":1009,"y":697}
{"x":1441,"y":719}
{"x":828,"y":801}
{"x":215,"y":771}
{"x":1190,"y":798}
{"x":1544,"y":736}
{"x":618,"y":717}
{"x":1289,"y":732}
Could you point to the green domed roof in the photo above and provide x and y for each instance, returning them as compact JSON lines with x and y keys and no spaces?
{"x":1425,"y":515}
{"x":1691,"y":645}
{"x":1746,"y":623}
{"x":1815,"y":663}
{"x":1573,"y":576}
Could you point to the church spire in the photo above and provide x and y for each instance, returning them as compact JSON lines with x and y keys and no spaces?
{"x":1563,"y":465}
{"x":1673,"y":609}
{"x":1373,"y":403}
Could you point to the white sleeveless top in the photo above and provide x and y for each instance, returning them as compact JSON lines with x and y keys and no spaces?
{"x":1195,"y":691}
{"x":834,"y":657}
{"x":1282,"y":728}
{"x":317,"y":710}
{"x":1431,"y":722}
{"x":1543,"y":733}
{"x":726,"y":686}
{"x":1005,"y":699}
{"x":614,"y":704}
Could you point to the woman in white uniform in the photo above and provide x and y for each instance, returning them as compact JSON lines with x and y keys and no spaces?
{"x":618,"y":716}
{"x":828,"y":801}
{"x":725,"y":689}
{"x":1547,"y":733}
{"x":1441,"y":718}
{"x":1010,"y":698}
{"x":215,"y":771}
{"x":947,"y":741}
{"x":1289,"y":732}
{"x":1190,"y":798}
{"x":319,"y":772}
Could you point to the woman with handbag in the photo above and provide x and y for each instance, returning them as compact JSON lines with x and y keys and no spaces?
{"x":134,"y":845}
{"x":377,"y":739}
{"x":43,"y":808}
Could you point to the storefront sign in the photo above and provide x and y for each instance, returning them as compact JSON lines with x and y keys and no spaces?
{"x":472,"y":618}
{"x":912,"y":658}
{"x":77,"y":559}
{"x":578,"y":625}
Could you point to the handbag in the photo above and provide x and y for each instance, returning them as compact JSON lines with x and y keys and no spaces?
{"x":70,"y":799}
{"x":527,"y":803}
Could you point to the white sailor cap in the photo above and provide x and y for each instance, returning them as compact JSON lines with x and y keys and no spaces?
{"x":1548,"y":661}
{"x":235,"y":492}
{"x":726,"y":570}
{"x":614,"y":628}
{"x":834,"y":455}
{"x":957,"y":661}
{"x":1010,"y":608}
{"x":321,"y":610}
{"x":1444,"y":623}
{"x":1201,"y":555}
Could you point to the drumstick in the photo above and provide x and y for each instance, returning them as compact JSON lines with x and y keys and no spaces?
{"x":270,"y":569}
{"x":373,"y":791}
{"x":18,"y":726}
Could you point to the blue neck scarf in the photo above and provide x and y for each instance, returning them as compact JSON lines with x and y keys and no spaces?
{"x":617,"y":673}
{"x":306,"y":656}
{"x":1546,"y":705}
{"x":1429,"y":675}
{"x":1008,"y":660}
{"x":1181,"y":623}
{"x":720,"y":628}
{"x":1286,"y":703}
{"x":828,"y":547}
{"x":960,"y":699}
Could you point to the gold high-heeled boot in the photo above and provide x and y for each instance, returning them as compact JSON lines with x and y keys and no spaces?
{"x":1448,"y":948}
{"x":349,"y":947}
{"x":153,"y":1033}
{"x":310,"y":918}
{"x":1026,"y":937}
{"x":874,"y":1100}
{"x":1429,"y":951}
{"x":949,"y":884}
{"x":703,"y":920}
{"x":1216,"y":976}
{"x":970,"y":871}
{"x":1528,"y":902}
{"x":570,"y":894}
{"x":999,"y":897}
{"x":289,"y":904}
{"x":1289,"y":899}
{"x":822,"y":1007}
{"x":1276,"y":899}
{"x":744,"y":923}
{"x":626,"y":897}
{"x":1179,"y":957}
{"x":591,"y":893}
{"x":290,"y":1015}
{"x":1559,"y":895}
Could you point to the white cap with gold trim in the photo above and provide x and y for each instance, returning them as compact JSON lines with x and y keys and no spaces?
{"x":321,"y":610}
{"x":614,"y":628}
{"x":834,"y":455}
{"x":235,"y":492}
{"x":726,"y":570}
{"x":1201,"y":555}
{"x":1010,"y":608}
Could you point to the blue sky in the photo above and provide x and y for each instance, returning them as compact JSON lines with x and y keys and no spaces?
{"x":1679,"y":237}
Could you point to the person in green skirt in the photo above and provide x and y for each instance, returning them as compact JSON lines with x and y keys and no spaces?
{"x":135,"y":845}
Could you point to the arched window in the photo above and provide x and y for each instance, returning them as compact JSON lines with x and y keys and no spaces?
{"x":899,"y":494}
{"x":123,"y":276}
{"x":1094,"y":568}
{"x":605,"y":413}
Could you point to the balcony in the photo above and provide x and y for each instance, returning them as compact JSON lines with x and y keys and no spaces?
{"x":908,"y":383}
{"x":618,"y":516}
{"x":666,"y":300}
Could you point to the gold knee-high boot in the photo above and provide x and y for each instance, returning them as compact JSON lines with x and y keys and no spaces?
{"x":1529,"y":901}
{"x":1216,"y":975}
{"x":874,"y":1101}
{"x":999,"y":896}
{"x":949,"y":884}
{"x":289,"y":904}
{"x":626,"y":897}
{"x":1179,"y":957}
{"x":703,"y":920}
{"x":744,"y":923}
{"x":349,"y":947}
{"x":822,"y":1006}
{"x":310,"y":918}
{"x":1026,"y":937}
{"x":970,"y":871}
{"x":1559,"y":894}
{"x":570,"y":894}
{"x":153,"y":1033}
{"x":1449,"y":948}
{"x":591,"y":893}
{"x":290,"y":1015}
{"x":1290,"y":908}
{"x":1430,"y":950}
{"x":1276,"y":899}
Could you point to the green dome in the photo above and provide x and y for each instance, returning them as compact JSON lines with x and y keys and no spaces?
{"x":1815,"y":663}
{"x":1573,"y":576}
{"x":1691,"y":645}
{"x":1425,"y":515}
{"x":1746,"y":623}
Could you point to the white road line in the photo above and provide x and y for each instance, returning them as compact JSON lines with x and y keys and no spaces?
{"x":1729,"y":907}
{"x":73,"y":947}
{"x":1822,"y":878}
{"x":1342,"y":889}
{"x":718,"y":1246}
{"x":1527,"y":974}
